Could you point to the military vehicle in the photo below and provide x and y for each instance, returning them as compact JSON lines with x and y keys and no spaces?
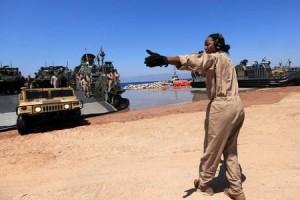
{"x":11,"y":80}
{"x":41,"y":104}
{"x":92,"y":80}
{"x":43,"y":76}
{"x":258,"y":75}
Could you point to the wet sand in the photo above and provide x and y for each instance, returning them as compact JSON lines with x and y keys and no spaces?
{"x":153,"y":153}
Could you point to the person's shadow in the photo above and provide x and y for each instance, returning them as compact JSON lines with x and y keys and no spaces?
{"x":219,"y":183}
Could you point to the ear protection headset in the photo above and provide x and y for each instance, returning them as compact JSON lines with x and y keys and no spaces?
{"x":218,"y":41}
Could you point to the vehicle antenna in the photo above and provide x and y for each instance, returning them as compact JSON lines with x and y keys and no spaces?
{"x":288,"y":63}
{"x":102,"y":54}
{"x":86,"y":56}
{"x":98,"y":57}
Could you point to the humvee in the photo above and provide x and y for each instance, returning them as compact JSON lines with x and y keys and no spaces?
{"x":42,"y":104}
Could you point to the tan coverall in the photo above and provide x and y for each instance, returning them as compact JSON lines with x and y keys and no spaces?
{"x":110,"y":78}
{"x":54,"y":81}
{"x":224,"y":117}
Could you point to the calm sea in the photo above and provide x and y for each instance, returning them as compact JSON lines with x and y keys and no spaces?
{"x":148,"y":98}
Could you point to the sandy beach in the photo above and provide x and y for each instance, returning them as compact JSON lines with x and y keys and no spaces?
{"x":154,"y":154}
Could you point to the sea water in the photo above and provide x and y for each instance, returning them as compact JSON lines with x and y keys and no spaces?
{"x":147,"y":98}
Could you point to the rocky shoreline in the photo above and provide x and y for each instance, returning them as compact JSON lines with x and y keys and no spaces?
{"x":154,"y":85}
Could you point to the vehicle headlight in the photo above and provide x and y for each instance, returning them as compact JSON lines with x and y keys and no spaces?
{"x":66,"y":106}
{"x":37,"y":109}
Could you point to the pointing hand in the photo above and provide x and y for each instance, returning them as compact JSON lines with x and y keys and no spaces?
{"x":155,"y":59}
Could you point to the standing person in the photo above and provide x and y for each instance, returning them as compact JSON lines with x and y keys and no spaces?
{"x":110,"y":78}
{"x":77,"y":80}
{"x":54,"y":80}
{"x":116,"y":76}
{"x":28,"y":82}
{"x":85,"y":86}
{"x":224,"y":114}
{"x":89,"y":82}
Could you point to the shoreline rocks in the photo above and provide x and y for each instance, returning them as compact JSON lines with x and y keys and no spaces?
{"x":154,"y":85}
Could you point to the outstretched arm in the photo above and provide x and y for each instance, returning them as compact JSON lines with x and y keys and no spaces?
{"x":174,"y":61}
{"x":192,"y":62}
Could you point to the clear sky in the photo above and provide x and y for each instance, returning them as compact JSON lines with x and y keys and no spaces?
{"x":35,"y":33}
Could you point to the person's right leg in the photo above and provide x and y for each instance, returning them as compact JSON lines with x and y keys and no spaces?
{"x":233,"y":170}
{"x":217,"y":131}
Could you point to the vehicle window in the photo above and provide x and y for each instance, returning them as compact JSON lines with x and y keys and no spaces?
{"x":61,"y":93}
{"x":36,"y":94}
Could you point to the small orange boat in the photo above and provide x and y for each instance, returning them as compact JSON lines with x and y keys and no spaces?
{"x":181,"y":83}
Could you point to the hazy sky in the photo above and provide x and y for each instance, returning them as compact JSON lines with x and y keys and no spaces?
{"x":38,"y":32}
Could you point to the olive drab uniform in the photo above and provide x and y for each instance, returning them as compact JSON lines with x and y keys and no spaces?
{"x":224,"y":117}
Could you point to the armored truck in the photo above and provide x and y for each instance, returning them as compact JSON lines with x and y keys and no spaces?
{"x":42,"y":104}
{"x":11,"y":80}
{"x":43,"y":76}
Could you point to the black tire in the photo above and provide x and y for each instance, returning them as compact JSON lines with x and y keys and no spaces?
{"x":23,"y":125}
{"x":76,"y":117}
{"x":123,"y":104}
{"x":114,"y":100}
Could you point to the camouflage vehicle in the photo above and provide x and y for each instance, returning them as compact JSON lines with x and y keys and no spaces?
{"x":42,"y":104}
{"x":43,"y":76}
{"x":11,"y":80}
{"x":95,"y":76}
{"x":259,"y":75}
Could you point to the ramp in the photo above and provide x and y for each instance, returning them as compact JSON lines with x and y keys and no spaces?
{"x":8,"y":119}
{"x":97,"y":108}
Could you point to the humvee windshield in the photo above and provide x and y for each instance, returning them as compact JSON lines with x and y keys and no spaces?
{"x":36,"y":94}
{"x":62,"y":93}
{"x":45,"y":94}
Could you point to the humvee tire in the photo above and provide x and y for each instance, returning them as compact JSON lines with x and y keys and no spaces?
{"x":23,"y":125}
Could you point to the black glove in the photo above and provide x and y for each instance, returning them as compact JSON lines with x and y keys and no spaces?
{"x":155,"y":59}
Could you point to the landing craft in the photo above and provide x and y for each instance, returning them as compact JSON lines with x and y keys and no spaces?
{"x":258,"y":75}
{"x":96,"y":81}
